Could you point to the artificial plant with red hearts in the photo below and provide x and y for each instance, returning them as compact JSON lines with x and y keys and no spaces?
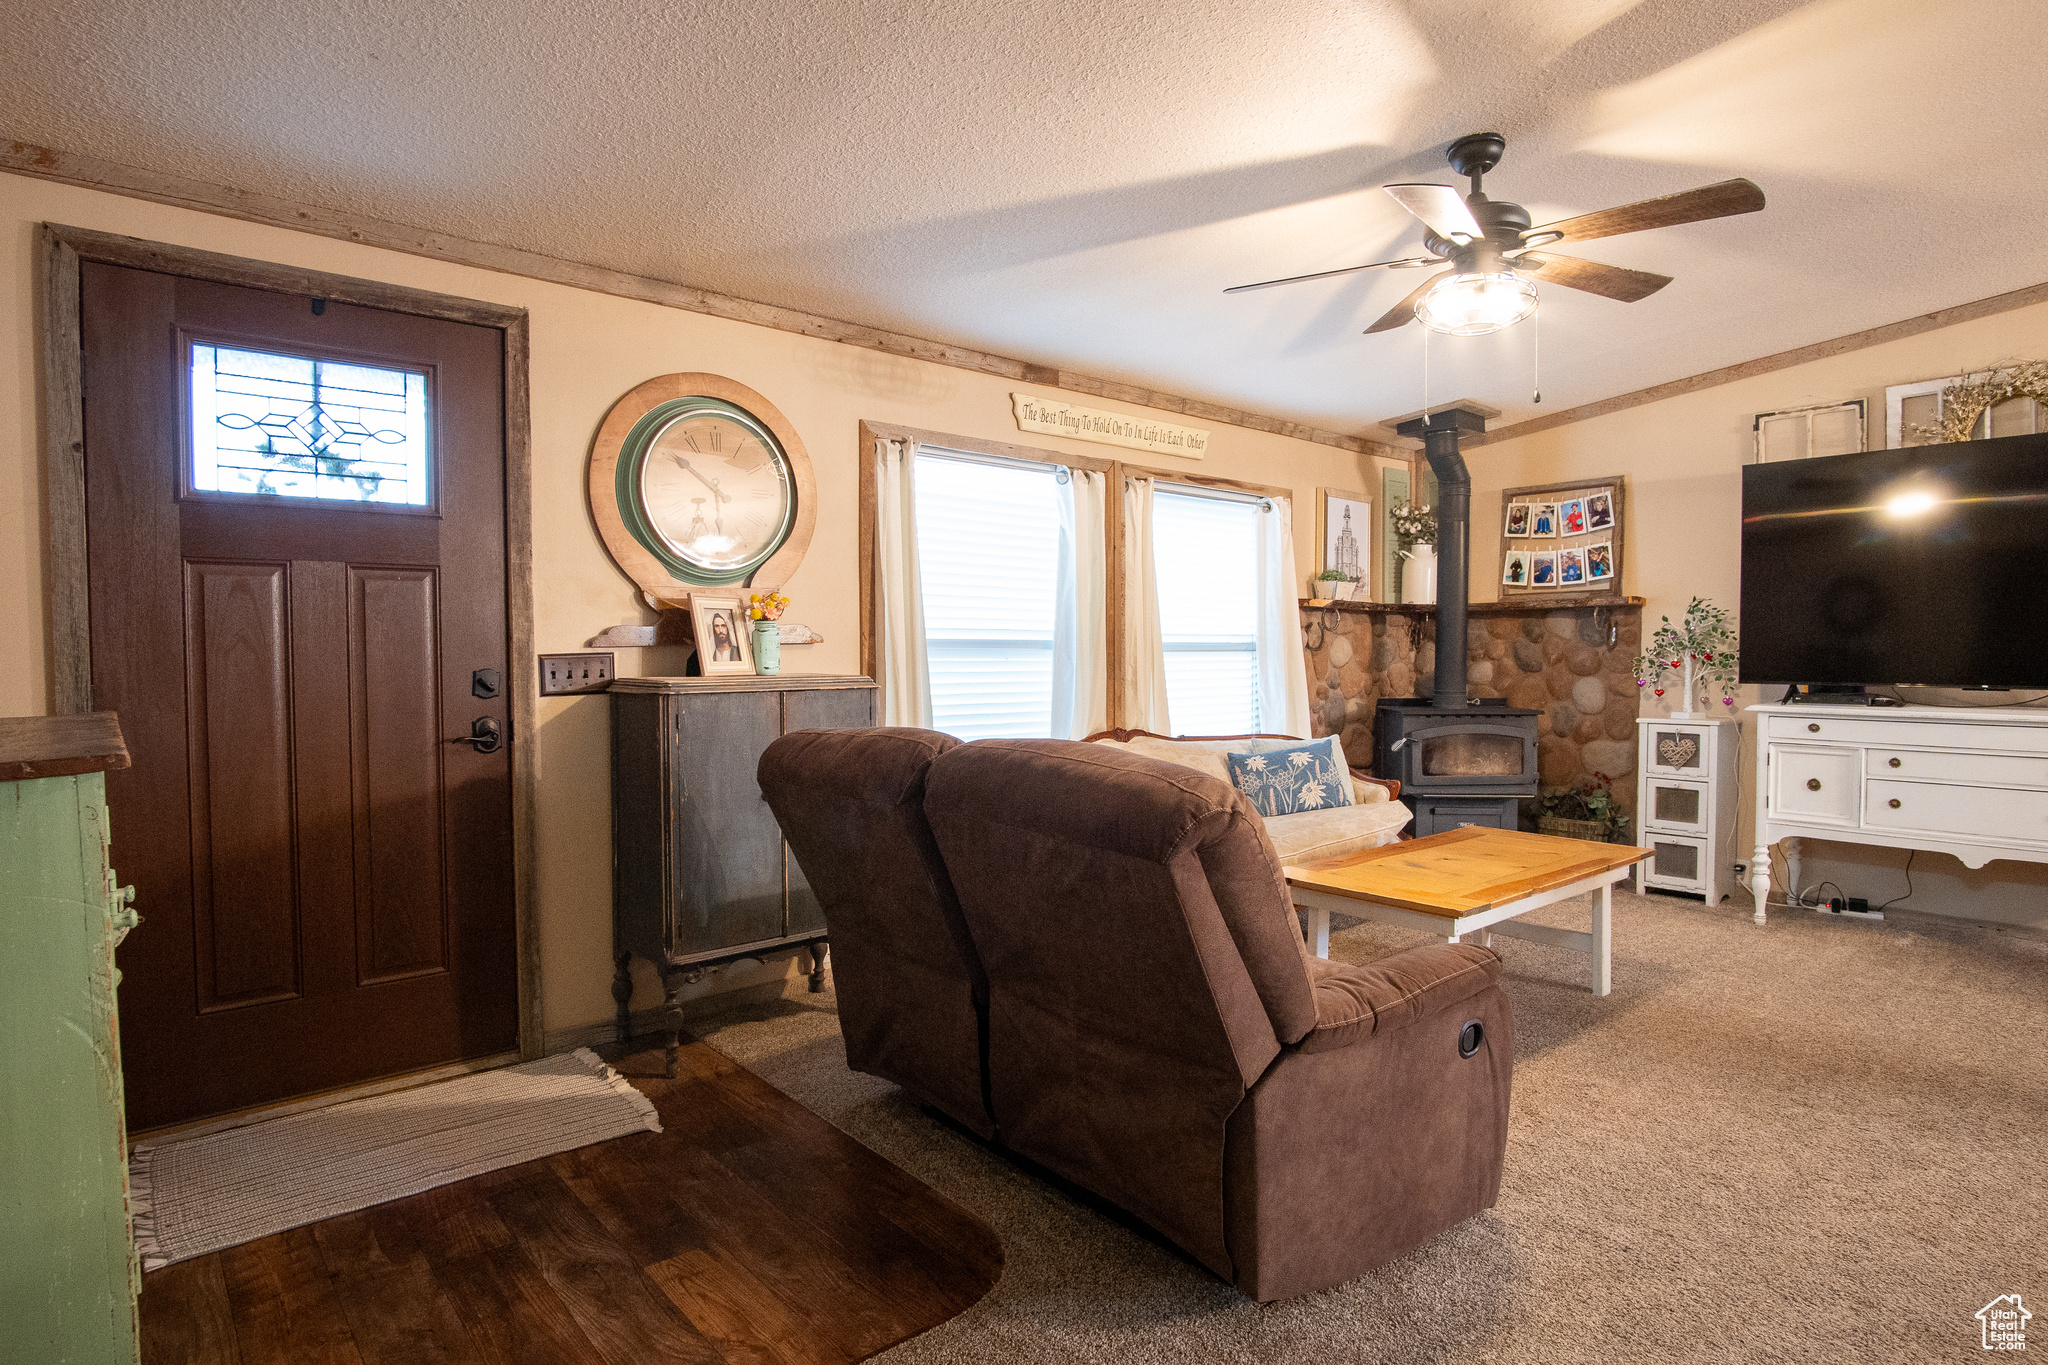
{"x":1700,"y":650}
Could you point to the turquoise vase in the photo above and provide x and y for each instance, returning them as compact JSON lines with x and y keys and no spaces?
{"x":767,"y":647}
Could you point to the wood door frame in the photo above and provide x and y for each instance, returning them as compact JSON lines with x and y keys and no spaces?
{"x":61,"y":250}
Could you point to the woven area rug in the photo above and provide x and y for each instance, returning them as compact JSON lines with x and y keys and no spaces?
{"x":224,"y":1189}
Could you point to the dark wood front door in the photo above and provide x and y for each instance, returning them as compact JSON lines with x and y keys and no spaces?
{"x":296,"y":572}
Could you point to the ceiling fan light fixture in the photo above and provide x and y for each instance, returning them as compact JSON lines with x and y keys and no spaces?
{"x":1473,"y":305}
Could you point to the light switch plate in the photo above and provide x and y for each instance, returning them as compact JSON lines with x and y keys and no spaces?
{"x":562,"y":674}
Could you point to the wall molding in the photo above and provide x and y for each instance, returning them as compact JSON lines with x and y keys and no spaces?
{"x":45,"y":163}
{"x":1783,"y":360}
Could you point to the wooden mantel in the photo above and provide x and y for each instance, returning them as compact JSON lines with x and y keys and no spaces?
{"x":1524,"y":606}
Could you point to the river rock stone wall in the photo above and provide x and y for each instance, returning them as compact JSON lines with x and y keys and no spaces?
{"x":1570,"y":663}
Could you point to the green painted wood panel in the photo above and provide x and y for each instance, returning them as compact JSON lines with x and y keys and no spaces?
{"x":1393,"y":490}
{"x":67,"y":1275}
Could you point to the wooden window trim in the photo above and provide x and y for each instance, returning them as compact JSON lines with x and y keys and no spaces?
{"x":62,"y":249}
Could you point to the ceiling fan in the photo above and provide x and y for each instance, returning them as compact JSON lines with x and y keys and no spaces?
{"x":1492,"y":249}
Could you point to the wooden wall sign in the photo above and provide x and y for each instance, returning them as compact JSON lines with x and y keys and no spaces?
{"x":1053,"y":417}
{"x":696,"y":481}
{"x":1563,"y":541}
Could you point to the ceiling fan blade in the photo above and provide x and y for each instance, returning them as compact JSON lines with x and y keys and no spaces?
{"x":1723,"y":200}
{"x":1440,"y":207}
{"x":1608,"y":281}
{"x":1404,"y":263}
{"x":1404,"y":311}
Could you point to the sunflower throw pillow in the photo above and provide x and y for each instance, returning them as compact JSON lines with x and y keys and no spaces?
{"x":1311,"y":776}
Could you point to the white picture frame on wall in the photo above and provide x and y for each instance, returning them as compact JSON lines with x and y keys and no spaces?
{"x":1344,"y":537}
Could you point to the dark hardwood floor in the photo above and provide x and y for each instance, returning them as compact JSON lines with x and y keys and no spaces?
{"x":750,"y":1230}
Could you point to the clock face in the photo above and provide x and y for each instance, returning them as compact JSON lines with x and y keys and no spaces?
{"x":715,"y":489}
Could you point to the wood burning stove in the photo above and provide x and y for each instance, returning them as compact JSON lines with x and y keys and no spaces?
{"x":1472,"y":765}
{"x":1460,"y":761}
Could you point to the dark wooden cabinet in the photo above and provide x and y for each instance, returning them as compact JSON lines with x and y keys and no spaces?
{"x":700,"y":875}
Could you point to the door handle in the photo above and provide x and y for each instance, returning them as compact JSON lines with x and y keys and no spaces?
{"x":483,"y":734}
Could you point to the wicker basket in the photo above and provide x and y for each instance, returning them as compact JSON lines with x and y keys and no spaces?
{"x":1592,"y":831}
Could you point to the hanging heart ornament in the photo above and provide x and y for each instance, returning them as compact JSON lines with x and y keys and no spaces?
{"x":1677,"y":750}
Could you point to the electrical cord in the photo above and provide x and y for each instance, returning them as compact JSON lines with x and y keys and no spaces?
{"x":1910,"y":856}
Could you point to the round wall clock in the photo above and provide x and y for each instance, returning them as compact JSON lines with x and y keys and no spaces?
{"x":696,"y":481}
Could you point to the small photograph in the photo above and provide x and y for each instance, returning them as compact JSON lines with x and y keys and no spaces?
{"x":1518,"y":518}
{"x":1543,"y":569}
{"x":720,"y":625}
{"x":1571,"y":517}
{"x":1514,"y":570}
{"x":1600,"y":510}
{"x":1599,"y":561}
{"x":1571,"y":565}
{"x":1542,"y":518}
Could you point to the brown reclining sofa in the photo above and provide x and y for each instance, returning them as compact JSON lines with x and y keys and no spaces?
{"x":1091,"y":957}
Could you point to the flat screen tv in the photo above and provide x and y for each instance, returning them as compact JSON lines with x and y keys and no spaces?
{"x":1926,"y":565}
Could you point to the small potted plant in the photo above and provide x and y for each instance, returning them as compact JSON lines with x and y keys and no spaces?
{"x":1699,"y":652}
{"x":764,"y":610}
{"x":1587,"y":811}
{"x":1331,"y":585}
{"x":1415,"y":532}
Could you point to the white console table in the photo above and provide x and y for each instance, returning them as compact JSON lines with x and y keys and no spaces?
{"x":1972,"y":784}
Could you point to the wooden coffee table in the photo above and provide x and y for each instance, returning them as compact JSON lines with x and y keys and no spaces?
{"x":1472,"y":880}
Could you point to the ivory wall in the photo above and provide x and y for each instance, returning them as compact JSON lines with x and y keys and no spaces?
{"x":588,"y":349}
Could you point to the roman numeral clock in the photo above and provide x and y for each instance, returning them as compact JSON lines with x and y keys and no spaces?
{"x":697,"y":481}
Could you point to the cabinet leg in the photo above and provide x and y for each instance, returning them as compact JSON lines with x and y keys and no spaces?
{"x":818,"y":950}
{"x":672,"y":1016}
{"x":622,"y":992}
{"x":1760,"y":878}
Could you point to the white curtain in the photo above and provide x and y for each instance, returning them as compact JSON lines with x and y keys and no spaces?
{"x":1283,"y":674}
{"x":902,"y":672}
{"x":1144,"y":680}
{"x":1080,"y":662}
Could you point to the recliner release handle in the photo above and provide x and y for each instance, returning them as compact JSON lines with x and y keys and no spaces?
{"x":1470,"y":1037}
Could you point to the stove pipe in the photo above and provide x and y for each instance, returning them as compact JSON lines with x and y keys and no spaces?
{"x":1440,"y":433}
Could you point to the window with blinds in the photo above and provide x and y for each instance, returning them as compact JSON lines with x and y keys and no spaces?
{"x":988,"y":539}
{"x":1206,"y":554}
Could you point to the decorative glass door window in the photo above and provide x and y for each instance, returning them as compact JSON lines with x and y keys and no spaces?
{"x":271,"y":425}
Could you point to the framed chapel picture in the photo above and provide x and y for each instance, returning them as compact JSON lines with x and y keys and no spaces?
{"x":1344,"y":533}
{"x":1562,"y":542}
{"x":724,"y":643}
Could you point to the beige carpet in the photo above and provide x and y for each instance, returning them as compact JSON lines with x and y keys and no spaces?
{"x":1819,"y":1140}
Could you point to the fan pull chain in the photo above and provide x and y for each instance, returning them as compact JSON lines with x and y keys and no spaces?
{"x":1536,"y":356}
{"x":1425,"y":376}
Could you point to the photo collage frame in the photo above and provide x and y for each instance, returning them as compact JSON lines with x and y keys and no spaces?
{"x":1563,"y":539}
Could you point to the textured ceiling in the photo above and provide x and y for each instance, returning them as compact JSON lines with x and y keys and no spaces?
{"x":1074,"y":182}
